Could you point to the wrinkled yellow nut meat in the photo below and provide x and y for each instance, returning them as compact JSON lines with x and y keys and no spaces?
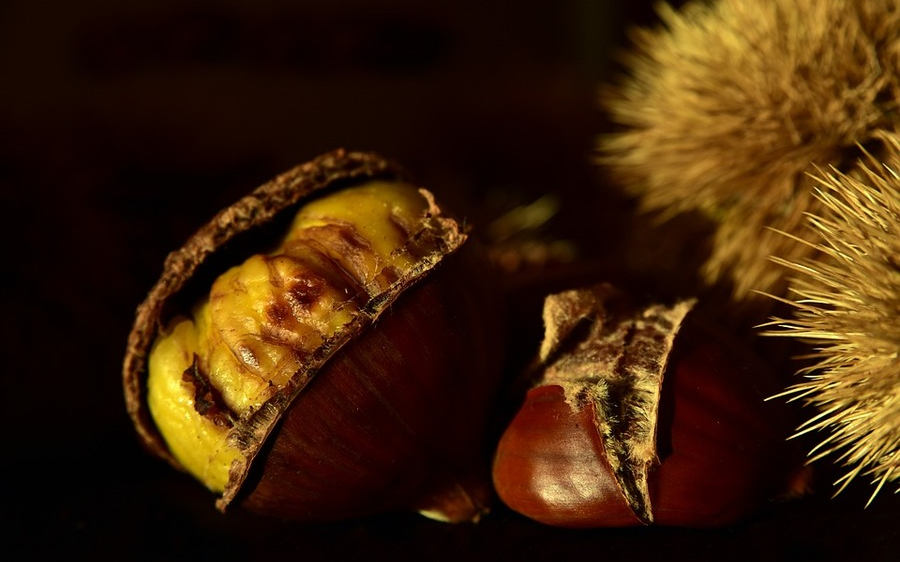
{"x":261,"y":318}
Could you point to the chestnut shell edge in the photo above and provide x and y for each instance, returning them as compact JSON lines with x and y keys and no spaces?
{"x":273,"y":199}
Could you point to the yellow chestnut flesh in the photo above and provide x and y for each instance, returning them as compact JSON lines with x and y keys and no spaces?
{"x":261,"y":319}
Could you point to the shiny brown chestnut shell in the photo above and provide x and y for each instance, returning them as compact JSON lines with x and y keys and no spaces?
{"x":392,"y":416}
{"x":720,"y":450}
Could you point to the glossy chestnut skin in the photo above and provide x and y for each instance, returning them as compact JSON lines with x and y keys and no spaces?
{"x":721,"y":447}
{"x":550,"y":466}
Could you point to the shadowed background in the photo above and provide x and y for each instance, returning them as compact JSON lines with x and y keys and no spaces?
{"x":124,"y":126}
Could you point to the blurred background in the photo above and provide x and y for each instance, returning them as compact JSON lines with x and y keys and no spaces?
{"x":124,"y":126}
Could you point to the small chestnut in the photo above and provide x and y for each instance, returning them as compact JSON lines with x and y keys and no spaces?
{"x":325,"y":348}
{"x":642,"y":415}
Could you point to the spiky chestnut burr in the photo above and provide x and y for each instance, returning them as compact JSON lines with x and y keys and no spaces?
{"x":726,"y":107}
{"x":846,"y":307}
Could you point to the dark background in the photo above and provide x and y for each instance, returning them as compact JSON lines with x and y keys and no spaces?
{"x":125,"y":125}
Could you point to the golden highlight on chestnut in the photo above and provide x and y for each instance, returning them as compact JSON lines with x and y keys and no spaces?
{"x":639,"y":415}
{"x":326,"y":348}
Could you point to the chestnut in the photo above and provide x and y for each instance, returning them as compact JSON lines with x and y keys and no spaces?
{"x":641,"y":414}
{"x":326,"y":348}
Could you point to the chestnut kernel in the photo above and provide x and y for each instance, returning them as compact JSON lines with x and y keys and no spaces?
{"x":303,"y":353}
{"x":642,"y":415}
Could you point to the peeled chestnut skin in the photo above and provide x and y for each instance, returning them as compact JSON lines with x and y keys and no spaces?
{"x":721,"y":447}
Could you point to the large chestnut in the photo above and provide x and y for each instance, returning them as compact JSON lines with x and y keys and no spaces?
{"x":325,"y":348}
{"x":640,"y":414}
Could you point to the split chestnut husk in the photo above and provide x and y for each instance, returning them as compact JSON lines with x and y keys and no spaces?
{"x":386,"y":407}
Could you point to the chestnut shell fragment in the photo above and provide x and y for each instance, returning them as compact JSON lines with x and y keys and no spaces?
{"x":393,"y":414}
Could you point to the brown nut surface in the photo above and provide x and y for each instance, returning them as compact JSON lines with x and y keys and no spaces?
{"x":387,"y":412}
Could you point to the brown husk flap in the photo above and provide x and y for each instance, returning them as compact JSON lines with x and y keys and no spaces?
{"x":266,"y":204}
{"x":610,"y":353}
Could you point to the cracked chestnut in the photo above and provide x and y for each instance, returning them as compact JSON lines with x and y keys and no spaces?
{"x":639,"y":415}
{"x":325,"y":348}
